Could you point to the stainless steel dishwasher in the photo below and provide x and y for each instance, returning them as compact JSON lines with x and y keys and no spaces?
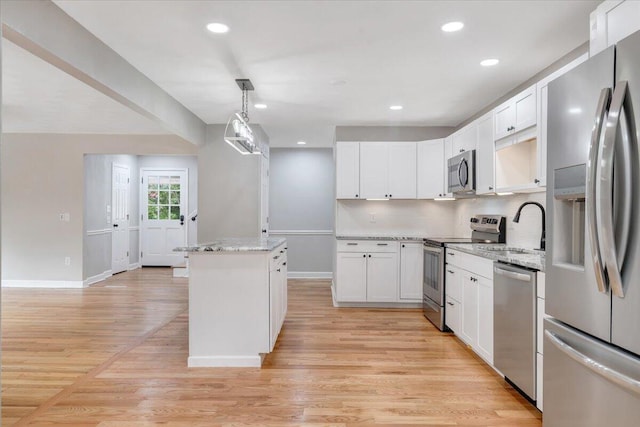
{"x":514,"y":326}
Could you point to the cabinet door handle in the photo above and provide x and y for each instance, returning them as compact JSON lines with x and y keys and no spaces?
{"x":383,"y":244}
{"x":369,"y":255}
{"x":462,"y":150}
{"x":357,"y":196}
{"x":352,"y":244}
{"x":364,"y":256}
{"x":450,"y":253}
{"x":403,"y":245}
{"x":386,"y":195}
{"x":281,"y":252}
{"x":450,"y":303}
{"x":451,"y":271}
{"x":284,"y":263}
{"x":276,"y":257}
{"x":537,"y":181}
{"x":490,"y":188}
{"x":278,"y":270}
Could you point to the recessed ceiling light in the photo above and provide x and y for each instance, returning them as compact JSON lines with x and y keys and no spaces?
{"x":337,"y":82}
{"x":260,"y":106}
{"x":218,"y":28}
{"x":396,"y":107}
{"x":451,"y":27}
{"x":302,"y":143}
{"x":575,"y":110}
{"x":489,"y":62}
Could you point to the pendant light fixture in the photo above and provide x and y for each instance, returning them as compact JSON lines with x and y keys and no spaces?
{"x":238,"y":133}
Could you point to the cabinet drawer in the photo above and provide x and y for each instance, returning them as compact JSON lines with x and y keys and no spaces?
{"x":277,"y":257}
{"x":453,"y":282}
{"x":452,"y":314}
{"x":472,"y":263}
{"x":367,"y":246}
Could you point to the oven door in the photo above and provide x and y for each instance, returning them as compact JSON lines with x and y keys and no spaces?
{"x":433,"y":279}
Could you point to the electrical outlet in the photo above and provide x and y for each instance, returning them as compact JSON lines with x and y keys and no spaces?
{"x":67,"y":260}
{"x":67,"y":217}
{"x":372,"y":217}
{"x":61,"y":217}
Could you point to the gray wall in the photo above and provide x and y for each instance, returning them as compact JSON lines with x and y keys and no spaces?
{"x":97,"y":195}
{"x":301,"y":207}
{"x":228,"y":188}
{"x":43,"y":176}
{"x":391,"y":133}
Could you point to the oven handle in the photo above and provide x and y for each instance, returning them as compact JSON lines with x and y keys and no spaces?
{"x":433,"y":250}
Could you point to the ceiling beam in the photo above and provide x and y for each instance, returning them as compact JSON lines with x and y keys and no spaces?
{"x":43,"y":29}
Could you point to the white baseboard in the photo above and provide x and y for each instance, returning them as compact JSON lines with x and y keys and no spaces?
{"x":134,"y":266}
{"x":97,"y":278}
{"x":180,"y":272}
{"x":309,"y":275}
{"x":224,"y":361}
{"x":75,"y":284}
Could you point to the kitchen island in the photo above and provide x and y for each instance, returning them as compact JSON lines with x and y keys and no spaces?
{"x":237,"y":300}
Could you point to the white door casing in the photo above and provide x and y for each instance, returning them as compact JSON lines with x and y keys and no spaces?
{"x":163,"y":210}
{"x":120,"y":175}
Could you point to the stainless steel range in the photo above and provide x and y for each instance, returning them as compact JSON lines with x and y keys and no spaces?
{"x":485,"y":229}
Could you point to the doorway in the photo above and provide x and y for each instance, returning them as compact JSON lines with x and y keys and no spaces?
{"x":120,"y":182}
{"x":163,"y":209}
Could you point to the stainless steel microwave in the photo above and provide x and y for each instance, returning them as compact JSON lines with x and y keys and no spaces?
{"x":462,"y":173}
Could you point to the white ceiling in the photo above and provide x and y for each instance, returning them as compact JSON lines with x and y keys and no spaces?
{"x":383,"y":53}
{"x":37,"y":97}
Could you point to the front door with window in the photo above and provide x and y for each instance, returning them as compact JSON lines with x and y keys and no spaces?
{"x":163,"y":214}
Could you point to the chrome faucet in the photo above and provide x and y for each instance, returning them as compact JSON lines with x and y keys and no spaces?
{"x":517,"y":219}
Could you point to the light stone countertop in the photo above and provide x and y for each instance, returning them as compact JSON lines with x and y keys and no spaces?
{"x":523,"y":257}
{"x":393,"y":238}
{"x":239,"y":244}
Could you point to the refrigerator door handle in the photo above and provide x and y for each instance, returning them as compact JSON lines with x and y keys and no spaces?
{"x":592,"y":176}
{"x":605,"y":204}
{"x":604,"y":371}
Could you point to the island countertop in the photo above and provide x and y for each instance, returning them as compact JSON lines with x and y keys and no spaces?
{"x":236,"y":244}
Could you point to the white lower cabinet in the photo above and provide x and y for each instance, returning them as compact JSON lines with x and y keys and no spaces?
{"x":469,"y":286}
{"x":351,"y":277}
{"x":382,"y":277}
{"x":368,"y":271}
{"x":485,"y":319}
{"x":469,"y":331}
{"x":411,"y":271}
{"x":277,"y":296}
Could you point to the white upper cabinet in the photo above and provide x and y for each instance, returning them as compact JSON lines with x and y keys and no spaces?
{"x":374,"y":170}
{"x":612,"y":21}
{"x":388,"y":170}
{"x":431,"y":169}
{"x":348,"y":170}
{"x":485,"y":156}
{"x":448,"y":153}
{"x":402,"y":170}
{"x":515,"y":115}
{"x":465,"y":139}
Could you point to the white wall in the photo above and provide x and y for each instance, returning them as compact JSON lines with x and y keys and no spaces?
{"x":42,"y":176}
{"x":301,"y":201}
{"x":524,"y":234}
{"x":409,"y":218}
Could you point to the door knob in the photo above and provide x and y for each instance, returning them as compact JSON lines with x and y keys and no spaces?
{"x":115,"y":225}
{"x":181,"y":219}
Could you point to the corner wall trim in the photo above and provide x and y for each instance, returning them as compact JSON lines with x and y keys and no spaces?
{"x":134,"y":266}
{"x":309,"y":275}
{"x":97,"y":278}
{"x":303,"y":232}
{"x":75,"y":284}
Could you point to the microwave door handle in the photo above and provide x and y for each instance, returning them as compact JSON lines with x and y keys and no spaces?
{"x":605,"y":199}
{"x":462,"y":163}
{"x":592,"y":176}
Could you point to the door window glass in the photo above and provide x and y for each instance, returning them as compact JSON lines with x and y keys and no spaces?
{"x":163,"y":197}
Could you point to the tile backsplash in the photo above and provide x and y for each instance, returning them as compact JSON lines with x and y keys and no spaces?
{"x":439,"y":219}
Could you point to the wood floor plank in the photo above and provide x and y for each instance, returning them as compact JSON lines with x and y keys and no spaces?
{"x":117,"y":365}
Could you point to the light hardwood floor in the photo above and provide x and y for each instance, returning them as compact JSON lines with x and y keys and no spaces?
{"x":115,"y":355}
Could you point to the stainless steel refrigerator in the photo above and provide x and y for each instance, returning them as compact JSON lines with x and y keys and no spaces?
{"x":592,"y":344}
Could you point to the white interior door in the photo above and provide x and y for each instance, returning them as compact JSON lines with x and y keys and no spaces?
{"x":120,"y":218}
{"x":164,"y":216}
